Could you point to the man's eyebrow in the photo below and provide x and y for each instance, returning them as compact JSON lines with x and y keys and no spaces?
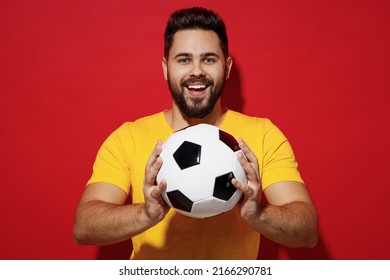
{"x":183,"y":54}
{"x":207,"y":54}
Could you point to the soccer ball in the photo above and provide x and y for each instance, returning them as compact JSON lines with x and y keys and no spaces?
{"x":199,"y":163}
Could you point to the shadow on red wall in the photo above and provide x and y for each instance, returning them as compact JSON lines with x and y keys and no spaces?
{"x":118,"y":251}
{"x":232,"y":92}
{"x":232,"y":98}
{"x":272,"y":251}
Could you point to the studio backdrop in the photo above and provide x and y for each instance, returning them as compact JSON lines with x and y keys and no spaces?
{"x":73,"y":71}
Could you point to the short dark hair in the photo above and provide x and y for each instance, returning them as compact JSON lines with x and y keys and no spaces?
{"x":195,"y":18}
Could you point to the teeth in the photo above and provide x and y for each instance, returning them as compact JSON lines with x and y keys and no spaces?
{"x":197,"y":86}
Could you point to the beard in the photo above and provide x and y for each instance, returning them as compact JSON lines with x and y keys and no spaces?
{"x":196,"y":107}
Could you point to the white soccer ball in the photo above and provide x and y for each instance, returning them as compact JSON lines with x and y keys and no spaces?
{"x":198,"y":165}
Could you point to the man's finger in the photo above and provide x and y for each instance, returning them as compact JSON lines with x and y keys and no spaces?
{"x":153,"y":165}
{"x":246,"y":190}
{"x":157,"y":191}
{"x":247,"y":151}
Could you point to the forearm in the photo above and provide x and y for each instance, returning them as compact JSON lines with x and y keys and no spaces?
{"x":102,"y":223}
{"x":293,"y":224}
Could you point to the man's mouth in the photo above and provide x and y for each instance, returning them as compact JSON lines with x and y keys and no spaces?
{"x":197,"y":87}
{"x":196,"y":90}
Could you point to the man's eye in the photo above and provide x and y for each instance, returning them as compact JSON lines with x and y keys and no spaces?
{"x":183,"y":60}
{"x":209,"y":60}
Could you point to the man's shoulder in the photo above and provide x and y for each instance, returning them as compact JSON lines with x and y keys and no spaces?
{"x":246,"y":119}
{"x":149,"y":119}
{"x":152,"y":120}
{"x":148,"y":127}
{"x":140,"y":124}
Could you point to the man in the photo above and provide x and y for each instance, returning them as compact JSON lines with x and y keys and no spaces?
{"x":195,"y":64}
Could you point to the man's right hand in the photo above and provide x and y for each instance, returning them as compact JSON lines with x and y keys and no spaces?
{"x":155,"y":208}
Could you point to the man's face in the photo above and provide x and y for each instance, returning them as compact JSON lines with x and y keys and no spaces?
{"x":196,"y":71}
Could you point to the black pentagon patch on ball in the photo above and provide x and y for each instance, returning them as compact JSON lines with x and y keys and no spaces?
{"x":223,"y":188}
{"x":187,"y":155}
{"x":180,"y":201}
{"x":229,"y":140}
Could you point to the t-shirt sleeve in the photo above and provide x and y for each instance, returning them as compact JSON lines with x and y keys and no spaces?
{"x":279,"y":163}
{"x":112,"y":161}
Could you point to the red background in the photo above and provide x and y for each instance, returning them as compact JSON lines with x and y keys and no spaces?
{"x":73,"y":71}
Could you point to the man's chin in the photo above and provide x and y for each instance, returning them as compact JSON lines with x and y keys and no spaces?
{"x":196,"y":113}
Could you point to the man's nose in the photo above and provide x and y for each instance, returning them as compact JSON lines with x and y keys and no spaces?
{"x":197,"y":69}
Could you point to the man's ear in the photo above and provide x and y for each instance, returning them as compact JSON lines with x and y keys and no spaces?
{"x":229,"y":64}
{"x":165,"y":68}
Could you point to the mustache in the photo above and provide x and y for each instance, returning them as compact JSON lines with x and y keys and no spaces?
{"x":202,"y":80}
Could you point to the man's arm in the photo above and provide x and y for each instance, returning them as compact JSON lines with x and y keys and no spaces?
{"x":289,"y":218}
{"x":102,"y":218}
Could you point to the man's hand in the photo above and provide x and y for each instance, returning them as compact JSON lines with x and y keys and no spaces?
{"x":250,"y":206}
{"x":289,"y":218}
{"x":155,"y":208}
{"x":102,"y":216}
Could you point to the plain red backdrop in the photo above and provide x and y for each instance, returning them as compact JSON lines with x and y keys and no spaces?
{"x":73,"y":71}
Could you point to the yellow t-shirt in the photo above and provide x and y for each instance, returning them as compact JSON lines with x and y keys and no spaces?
{"x":122,"y":159}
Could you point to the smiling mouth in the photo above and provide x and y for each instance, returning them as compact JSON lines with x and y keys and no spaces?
{"x":197,"y":87}
{"x":196,"y":90}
